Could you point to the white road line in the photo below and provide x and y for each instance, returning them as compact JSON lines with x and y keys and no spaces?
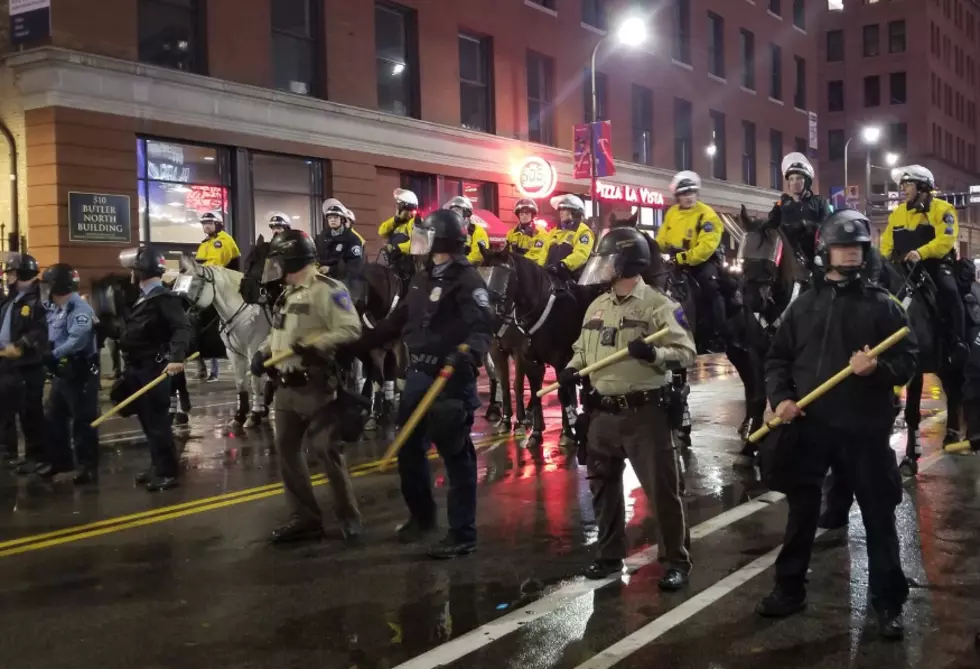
{"x":486,"y":634}
{"x":699,"y":602}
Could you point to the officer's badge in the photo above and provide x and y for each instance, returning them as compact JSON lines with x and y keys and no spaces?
{"x":681,"y":318}
{"x":584,"y":239}
{"x":339,"y":248}
{"x":597,"y":315}
{"x":435,"y":294}
{"x":342,"y":300}
{"x":708,"y":227}
{"x":25,"y":311}
{"x":217,"y":245}
{"x":481,"y":297}
{"x":356,"y":251}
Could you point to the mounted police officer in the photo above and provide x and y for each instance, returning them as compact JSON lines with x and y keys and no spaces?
{"x":339,"y":242}
{"x":824,"y":330}
{"x":73,"y":402}
{"x":692,"y":233}
{"x":925,"y":229}
{"x":570,"y":244}
{"x":630,"y":414}
{"x":218,"y":248}
{"x":397,"y":233}
{"x":799,"y":212}
{"x":154,"y":339}
{"x":307,"y":410}
{"x":526,"y":238}
{"x":23,"y":342}
{"x":447,"y":305}
{"x":477,"y":240}
{"x":279,"y":223}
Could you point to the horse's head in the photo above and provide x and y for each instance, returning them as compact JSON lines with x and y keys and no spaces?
{"x":252,"y":290}
{"x":498,"y":273}
{"x":195,"y":283}
{"x":768,"y":264}
{"x":629,"y":222}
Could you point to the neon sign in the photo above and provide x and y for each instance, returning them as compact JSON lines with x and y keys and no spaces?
{"x":638,"y":196}
{"x":536,"y":178}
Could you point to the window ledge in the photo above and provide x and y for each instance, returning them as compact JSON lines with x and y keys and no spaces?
{"x":778,"y":102}
{"x":592,"y":29}
{"x":751,"y":2}
{"x":678,"y":63}
{"x":799,"y":29}
{"x":768,"y":11}
{"x":802,"y":111}
{"x":748,"y":90}
{"x":715,"y":77}
{"x":541,"y":8}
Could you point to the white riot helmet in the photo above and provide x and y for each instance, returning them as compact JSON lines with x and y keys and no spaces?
{"x":916,"y":174}
{"x":280,"y":221}
{"x":406,"y":199}
{"x":213,"y":217}
{"x":350,"y":216}
{"x":685,"y":182}
{"x":569,"y":202}
{"x":461,"y":202}
{"x":797,"y":163}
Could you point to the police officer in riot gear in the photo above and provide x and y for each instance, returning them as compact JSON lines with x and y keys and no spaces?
{"x":629,"y":415}
{"x":477,"y":240}
{"x":824,"y":330}
{"x":397,"y":231}
{"x":925,"y":229}
{"x":447,"y":306}
{"x":570,"y":244}
{"x":23,"y":343}
{"x":306,"y":401}
{"x":526,"y":238}
{"x":339,"y":242}
{"x":799,"y":212}
{"x":154,"y":339}
{"x":73,"y":402}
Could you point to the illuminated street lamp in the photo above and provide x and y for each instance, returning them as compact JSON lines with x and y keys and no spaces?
{"x":870,"y":134}
{"x":891,"y":159}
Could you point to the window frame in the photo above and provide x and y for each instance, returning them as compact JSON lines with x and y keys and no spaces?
{"x":892,"y":78}
{"x":833,"y":87}
{"x":871,"y":40}
{"x":642,"y":123}
{"x":775,"y":158}
{"x":602,"y":96}
{"x":831,"y":41}
{"x":747,"y":48}
{"x":719,"y":161}
{"x":893,"y":35}
{"x":546,"y":116}
{"x":799,"y":91}
{"x":872,"y":95}
{"x":683,"y":134}
{"x":198,"y":21}
{"x":486,"y":53}
{"x":681,"y":49}
{"x":316,"y":191}
{"x":409,"y":18}
{"x":716,"y":45}
{"x":314,"y":43}
{"x":750,"y":175}
{"x":775,"y":72}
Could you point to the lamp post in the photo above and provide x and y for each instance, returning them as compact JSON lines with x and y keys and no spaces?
{"x":869,"y":135}
{"x":632,"y":31}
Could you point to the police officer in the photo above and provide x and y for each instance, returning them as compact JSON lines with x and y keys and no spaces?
{"x":799,"y":212}
{"x":629,"y":416}
{"x":824,"y":330}
{"x":218,"y":248}
{"x":279,"y":222}
{"x":570,"y":244}
{"x":447,"y":305}
{"x":73,"y":402}
{"x":526,"y":238}
{"x":925,"y":229}
{"x":692,"y":232}
{"x":477,"y":240}
{"x":155,"y":338}
{"x":339,"y":242}
{"x":397,"y":232}
{"x":305,"y":405}
{"x":23,"y":343}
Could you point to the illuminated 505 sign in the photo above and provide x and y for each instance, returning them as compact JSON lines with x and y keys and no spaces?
{"x":536,"y":178}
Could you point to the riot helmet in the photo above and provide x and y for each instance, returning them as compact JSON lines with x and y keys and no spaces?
{"x":847,"y":227}
{"x":573,"y":205}
{"x":916,"y":175}
{"x":622,"y":253}
{"x":289,"y":253}
{"x":685,"y":182}
{"x":442,"y":231}
{"x":406,"y":203}
{"x":526,"y":206}
{"x":279,"y":222}
{"x":796,"y":164}
{"x":22,"y":264}
{"x":336,"y":214}
{"x":462,"y":205}
{"x":145,"y":261}
{"x":59,"y":279}
{"x":213,"y":218}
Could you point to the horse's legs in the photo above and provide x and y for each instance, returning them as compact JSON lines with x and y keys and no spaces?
{"x":241,"y":371}
{"x":494,"y":412}
{"x":254,"y":384}
{"x":913,"y":417}
{"x":535,"y":377}
{"x":502,"y":364}
{"x":519,"y":377}
{"x":952,"y":381}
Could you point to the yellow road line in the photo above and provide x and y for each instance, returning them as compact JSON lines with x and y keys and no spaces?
{"x":110,"y":525}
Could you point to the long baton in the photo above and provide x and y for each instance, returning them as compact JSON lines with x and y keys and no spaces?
{"x":820,"y":390}
{"x":610,"y":359}
{"x":309,"y":340}
{"x":423,"y":407}
{"x":138,"y":394}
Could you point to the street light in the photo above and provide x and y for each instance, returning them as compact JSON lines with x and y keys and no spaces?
{"x":711,"y":150}
{"x":870,"y":134}
{"x":891,"y":159}
{"x":632,"y":32}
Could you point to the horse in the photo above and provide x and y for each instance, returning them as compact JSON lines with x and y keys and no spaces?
{"x":243,"y":328}
{"x":508,"y":344}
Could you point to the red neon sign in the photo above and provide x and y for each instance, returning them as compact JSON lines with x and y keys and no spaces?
{"x":632,"y":195}
{"x":536,"y":178}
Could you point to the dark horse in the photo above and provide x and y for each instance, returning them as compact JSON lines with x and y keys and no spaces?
{"x":508,"y":344}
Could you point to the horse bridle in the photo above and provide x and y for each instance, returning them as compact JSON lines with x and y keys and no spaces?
{"x":513,"y":319}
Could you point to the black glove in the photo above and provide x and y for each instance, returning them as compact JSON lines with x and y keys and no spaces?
{"x":554,"y":268}
{"x":641,"y":350}
{"x":51,"y":363}
{"x":310,"y":356}
{"x":258,"y":367}
{"x":457,"y":359}
{"x":569,"y":377}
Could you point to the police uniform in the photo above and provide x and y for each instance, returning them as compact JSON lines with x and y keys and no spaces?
{"x":398,"y":233}
{"x":800,"y":220}
{"x":305,"y":403}
{"x":343,"y":245}
{"x":629,"y":418}
{"x":73,"y":402}
{"x":219,"y":250}
{"x":569,"y":247}
{"x":477,"y":241}
{"x":529,"y":241}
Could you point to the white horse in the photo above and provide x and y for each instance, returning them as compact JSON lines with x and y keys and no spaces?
{"x":244,"y":327}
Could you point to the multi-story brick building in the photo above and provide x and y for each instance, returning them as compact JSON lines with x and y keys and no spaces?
{"x":257,"y":105}
{"x":911,"y":69}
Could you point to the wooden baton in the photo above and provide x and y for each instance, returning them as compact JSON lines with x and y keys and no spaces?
{"x":138,"y":394}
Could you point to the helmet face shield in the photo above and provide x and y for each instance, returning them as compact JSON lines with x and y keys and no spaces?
{"x":129,"y":258}
{"x":601,"y":270}
{"x":421,"y":242}
{"x":272,"y":271}
{"x":45,"y":291}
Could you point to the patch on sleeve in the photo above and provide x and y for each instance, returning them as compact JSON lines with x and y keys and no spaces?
{"x":681,"y":318}
{"x":481,"y":297}
{"x":356,"y":251}
{"x":217,"y":244}
{"x":82,"y":319}
{"x":708,"y":227}
{"x":585,"y":239}
{"x":342,"y":300}
{"x":538,"y":244}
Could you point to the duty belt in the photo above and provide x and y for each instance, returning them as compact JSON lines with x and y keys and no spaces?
{"x":424,"y":362}
{"x":294,"y":378}
{"x":634,"y":400}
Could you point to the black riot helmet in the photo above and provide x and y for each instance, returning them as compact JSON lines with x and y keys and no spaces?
{"x":23,"y":264}
{"x":289,"y":252}
{"x":442,"y":231}
{"x":622,"y":253}
{"x":847,"y":227}
{"x":61,"y":279}
{"x":146,"y":261}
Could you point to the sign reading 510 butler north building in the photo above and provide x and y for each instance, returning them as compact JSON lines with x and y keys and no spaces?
{"x":95,"y":217}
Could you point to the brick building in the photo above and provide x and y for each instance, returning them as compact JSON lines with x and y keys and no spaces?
{"x":251,"y":106}
{"x":913,"y":70}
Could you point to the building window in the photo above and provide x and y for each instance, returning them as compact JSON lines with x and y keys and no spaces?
{"x":775,"y":159}
{"x":683,"y":134}
{"x":775,"y":72}
{"x":600,"y":96}
{"x":716,"y":45}
{"x":547,"y":4}
{"x":835,"y":96}
{"x":540,"y":99}
{"x":594,"y":13}
{"x":482,"y":194}
{"x":799,"y":95}
{"x":748,"y":153}
{"x":396,"y":59}
{"x":171,"y":34}
{"x":475,"y":85}
{"x":835,"y":46}
{"x":719,"y":160}
{"x":177,"y":183}
{"x":896,"y":84}
{"x":800,"y":145}
{"x":872,"y":91}
{"x":294,"y":46}
{"x":682,"y":31}
{"x":748,"y":59}
{"x":835,"y":144}
{"x":642,"y":125}
{"x":775,"y":7}
{"x":896,"y":36}
{"x":293,"y":186}
{"x":870,"y":40}
{"x":799,"y":14}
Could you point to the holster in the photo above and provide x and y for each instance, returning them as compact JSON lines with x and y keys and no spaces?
{"x":353,"y":411}
{"x":674,"y":398}
{"x":122,"y":388}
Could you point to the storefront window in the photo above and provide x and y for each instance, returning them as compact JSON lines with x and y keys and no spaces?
{"x":177,"y":183}
{"x":425,"y":188}
{"x":483,"y":195}
{"x":293,"y":186}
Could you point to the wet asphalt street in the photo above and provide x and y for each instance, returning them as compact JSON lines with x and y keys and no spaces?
{"x":115,"y":577}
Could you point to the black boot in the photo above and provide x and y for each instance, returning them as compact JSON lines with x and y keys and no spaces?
{"x":675,"y":579}
{"x":161,"y":483}
{"x":600,"y":569}
{"x":778,"y":604}
{"x":242,"y":413}
{"x":297,"y":530}
{"x":450,"y":548}
{"x":352,"y":531}
{"x":890,"y":625}
{"x":412,"y":530}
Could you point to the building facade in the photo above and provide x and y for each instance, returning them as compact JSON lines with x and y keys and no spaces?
{"x":911,"y":69}
{"x":132,"y":117}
